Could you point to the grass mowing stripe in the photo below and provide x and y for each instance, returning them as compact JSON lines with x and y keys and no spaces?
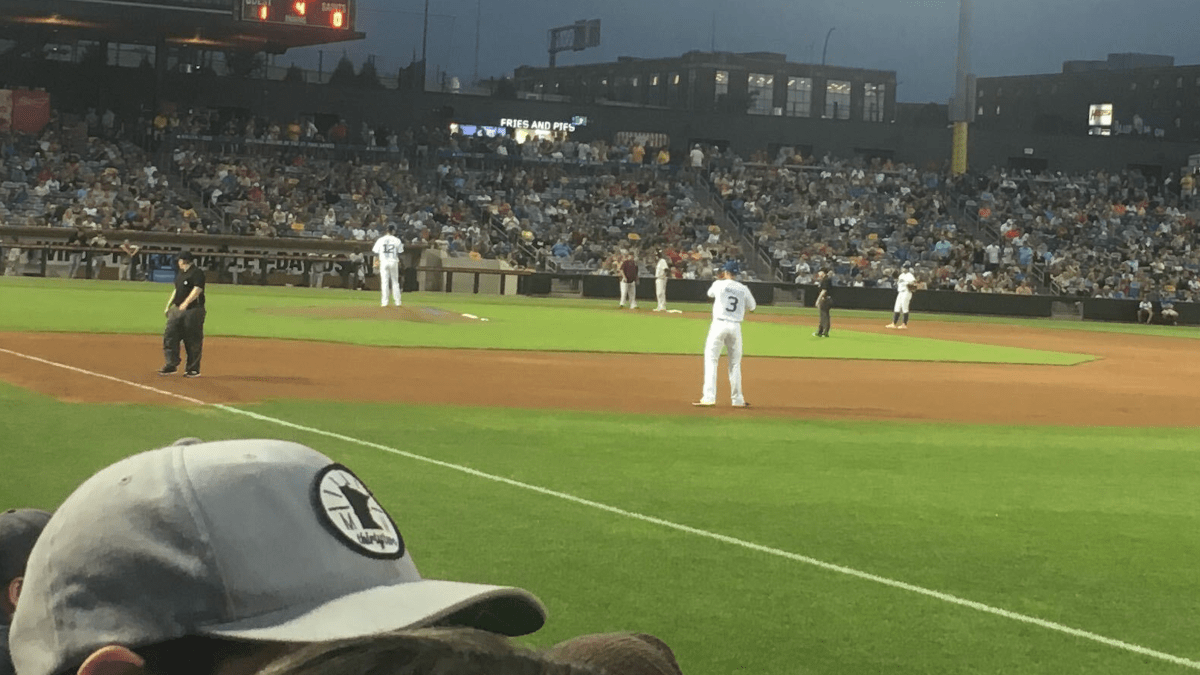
{"x":795,"y":557}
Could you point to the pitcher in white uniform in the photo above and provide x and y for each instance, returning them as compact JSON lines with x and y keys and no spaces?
{"x":731,"y":300}
{"x":387,"y":250}
{"x":905,"y":285}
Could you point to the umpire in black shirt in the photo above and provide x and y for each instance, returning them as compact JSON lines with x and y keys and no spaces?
{"x":185,"y":318}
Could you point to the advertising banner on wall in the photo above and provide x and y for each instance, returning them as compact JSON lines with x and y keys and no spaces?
{"x":30,"y":111}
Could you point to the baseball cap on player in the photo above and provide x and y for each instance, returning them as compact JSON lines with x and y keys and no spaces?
{"x":258,"y":540}
{"x":732,"y":267}
{"x":19,"y":529}
{"x":187,"y":256}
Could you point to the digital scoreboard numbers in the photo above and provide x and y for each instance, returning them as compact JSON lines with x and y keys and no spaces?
{"x":334,"y":14}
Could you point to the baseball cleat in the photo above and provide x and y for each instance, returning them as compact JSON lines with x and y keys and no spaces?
{"x":192,"y":373}
{"x":743,"y":404}
{"x":890,"y":325}
{"x":166,"y":371}
{"x":903,"y":326}
{"x":703,"y":404}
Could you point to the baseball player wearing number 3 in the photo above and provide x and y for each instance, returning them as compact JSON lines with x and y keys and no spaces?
{"x":731,"y":300}
{"x":389,"y":248}
{"x":905,"y":284}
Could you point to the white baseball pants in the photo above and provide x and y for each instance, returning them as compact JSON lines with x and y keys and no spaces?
{"x":389,"y":280}
{"x":629,"y":294}
{"x":727,"y":334}
{"x":902,"y":300}
{"x":660,"y":291}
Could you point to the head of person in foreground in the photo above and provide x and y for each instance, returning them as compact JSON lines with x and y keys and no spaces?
{"x":216,"y":558}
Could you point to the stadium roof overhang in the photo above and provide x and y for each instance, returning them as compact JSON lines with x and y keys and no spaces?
{"x":144,"y":23}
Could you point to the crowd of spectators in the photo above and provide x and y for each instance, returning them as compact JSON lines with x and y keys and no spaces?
{"x":583,"y":207}
{"x":1099,"y":234}
{"x":589,"y":223}
{"x":861,"y":220}
{"x":66,"y":177}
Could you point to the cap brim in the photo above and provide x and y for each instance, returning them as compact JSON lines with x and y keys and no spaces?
{"x":497,"y":609}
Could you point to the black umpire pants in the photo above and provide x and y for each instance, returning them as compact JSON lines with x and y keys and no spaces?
{"x":824,"y":306}
{"x":186,"y":326}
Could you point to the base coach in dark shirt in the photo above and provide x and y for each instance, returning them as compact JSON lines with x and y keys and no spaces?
{"x":185,"y":318}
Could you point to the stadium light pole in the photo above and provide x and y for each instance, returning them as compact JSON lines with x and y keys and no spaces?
{"x":424,"y":44}
{"x":962,"y":107}
{"x":825,"y":50}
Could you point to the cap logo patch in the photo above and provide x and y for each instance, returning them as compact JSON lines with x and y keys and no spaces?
{"x":350,"y":512}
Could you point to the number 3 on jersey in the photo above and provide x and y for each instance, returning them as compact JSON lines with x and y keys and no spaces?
{"x":732,"y":305}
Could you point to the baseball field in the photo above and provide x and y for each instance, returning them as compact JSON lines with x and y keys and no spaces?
{"x":968,"y":496}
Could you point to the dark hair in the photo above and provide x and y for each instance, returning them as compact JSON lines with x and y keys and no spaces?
{"x":194,"y":654}
{"x":422,"y":651}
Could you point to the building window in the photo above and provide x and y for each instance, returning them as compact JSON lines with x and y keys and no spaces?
{"x":1179,"y":83}
{"x":673,"y":88}
{"x":761,"y":89}
{"x":980,"y":111}
{"x":722,"y":85}
{"x":1133,"y":86}
{"x":1157,"y":82}
{"x":980,"y":93}
{"x":873,"y":100}
{"x":656,"y":90}
{"x":999,"y":92}
{"x":625,"y":89}
{"x":837,"y":100}
{"x":997,"y":111}
{"x":799,"y":97}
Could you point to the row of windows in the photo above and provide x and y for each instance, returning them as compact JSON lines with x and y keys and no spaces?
{"x":1157,"y":83}
{"x":798,"y":97}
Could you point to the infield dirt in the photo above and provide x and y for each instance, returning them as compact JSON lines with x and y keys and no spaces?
{"x":1134,"y":381}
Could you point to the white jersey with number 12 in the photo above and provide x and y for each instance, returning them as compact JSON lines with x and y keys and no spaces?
{"x":731,"y":300}
{"x":388,"y":248}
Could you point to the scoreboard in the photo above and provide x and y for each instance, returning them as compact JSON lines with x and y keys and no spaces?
{"x":332,"y":14}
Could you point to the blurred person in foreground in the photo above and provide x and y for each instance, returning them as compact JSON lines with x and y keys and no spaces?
{"x":217,"y":558}
{"x":19,"y":530}
{"x":463,"y":651}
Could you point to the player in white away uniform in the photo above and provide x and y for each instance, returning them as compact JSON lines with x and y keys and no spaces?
{"x":660,"y":281}
{"x":905,"y":284}
{"x":388,"y":249}
{"x":731,"y":301}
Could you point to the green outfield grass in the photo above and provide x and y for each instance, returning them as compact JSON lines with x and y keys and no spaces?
{"x":1091,"y":529}
{"x":513,"y":323}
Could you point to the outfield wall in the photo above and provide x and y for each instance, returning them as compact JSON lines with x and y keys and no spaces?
{"x":946,"y":302}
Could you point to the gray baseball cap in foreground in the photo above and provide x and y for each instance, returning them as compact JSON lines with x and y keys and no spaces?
{"x":247,"y":539}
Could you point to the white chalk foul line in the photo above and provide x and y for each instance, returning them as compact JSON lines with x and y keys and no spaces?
{"x":102,"y":376}
{"x":849,"y":571}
